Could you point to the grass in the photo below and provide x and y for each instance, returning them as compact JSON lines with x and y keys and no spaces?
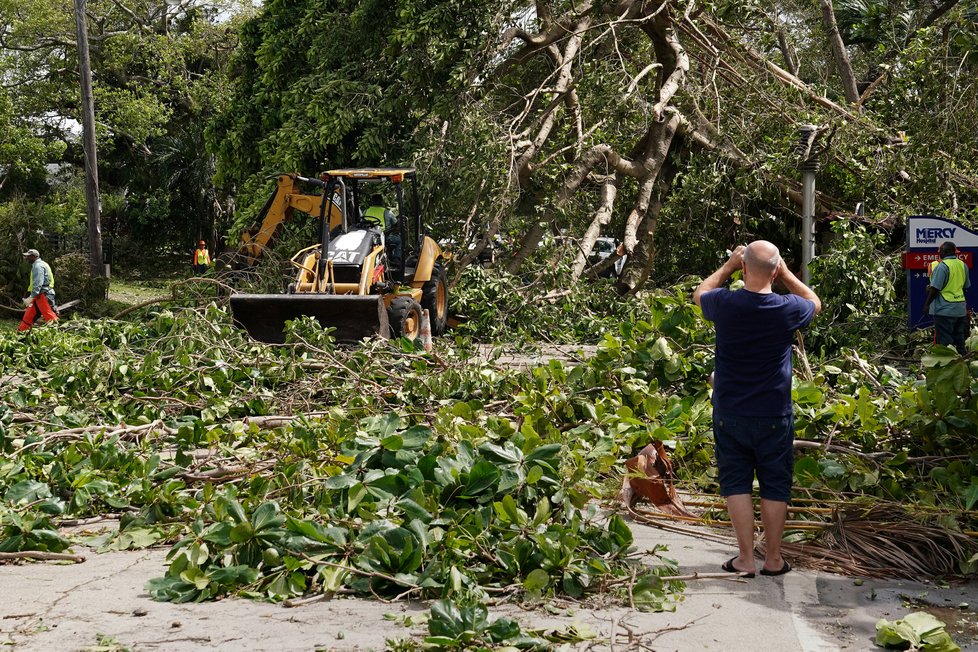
{"x":132,"y":293}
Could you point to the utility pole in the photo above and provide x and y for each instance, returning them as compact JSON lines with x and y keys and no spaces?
{"x":808,"y":165}
{"x":92,"y":201}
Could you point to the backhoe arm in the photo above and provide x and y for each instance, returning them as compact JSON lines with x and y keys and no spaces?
{"x":288,"y":197}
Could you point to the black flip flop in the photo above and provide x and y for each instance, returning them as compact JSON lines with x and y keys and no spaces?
{"x":784,"y":569}
{"x":730,"y":568}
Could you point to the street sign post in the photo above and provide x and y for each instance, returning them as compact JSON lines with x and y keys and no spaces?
{"x":925,"y":234}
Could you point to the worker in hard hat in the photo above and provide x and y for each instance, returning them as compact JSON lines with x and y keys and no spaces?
{"x":202,"y":259}
{"x":41,"y":302}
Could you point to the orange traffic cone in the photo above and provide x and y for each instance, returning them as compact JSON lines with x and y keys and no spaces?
{"x":425,"y":330}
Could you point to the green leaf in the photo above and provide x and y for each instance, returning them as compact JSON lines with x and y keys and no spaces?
{"x":547,"y":452}
{"x":242,"y":532}
{"x":831,"y":469}
{"x":218,"y":534}
{"x":507,"y":454}
{"x":342,"y":481}
{"x":445,"y":620}
{"x":970,"y":495}
{"x":952,"y":377}
{"x":482,"y":476}
{"x":649,"y":594}
{"x":268,"y":515}
{"x":27,"y":491}
{"x":536,"y":581}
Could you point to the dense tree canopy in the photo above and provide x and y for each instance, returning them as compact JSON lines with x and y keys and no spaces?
{"x":159,"y":74}
{"x":651,"y":122}
{"x":626,"y":118}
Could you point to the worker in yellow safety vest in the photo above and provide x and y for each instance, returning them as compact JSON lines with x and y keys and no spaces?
{"x":41,"y":301}
{"x":380,"y":216}
{"x":202,"y":259}
{"x":949,"y":278}
{"x":377,"y":214}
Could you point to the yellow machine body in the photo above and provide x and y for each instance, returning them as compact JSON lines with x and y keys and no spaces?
{"x":361,"y":279}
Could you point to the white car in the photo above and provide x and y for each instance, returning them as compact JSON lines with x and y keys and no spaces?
{"x":604,"y":247}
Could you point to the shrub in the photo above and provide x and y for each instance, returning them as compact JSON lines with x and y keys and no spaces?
{"x":73,"y":280}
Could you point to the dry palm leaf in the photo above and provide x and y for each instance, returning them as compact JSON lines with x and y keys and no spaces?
{"x":882,"y":541}
{"x":872,"y":540}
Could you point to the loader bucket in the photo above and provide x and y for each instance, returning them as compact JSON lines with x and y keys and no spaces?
{"x":354,"y":317}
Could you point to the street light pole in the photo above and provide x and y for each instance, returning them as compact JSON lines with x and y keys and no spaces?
{"x":808,"y":165}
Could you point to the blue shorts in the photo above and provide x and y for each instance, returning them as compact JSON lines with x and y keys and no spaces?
{"x":745,"y":445}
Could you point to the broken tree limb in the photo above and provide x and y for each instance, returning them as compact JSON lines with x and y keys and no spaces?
{"x":122,"y":431}
{"x":602,"y":217}
{"x":751,"y":55}
{"x":539,"y":42}
{"x":660,"y":139}
{"x":572,"y":181}
{"x":173,"y":294}
{"x":669,"y":51}
{"x":40,"y":556}
{"x":565,"y":83}
{"x":839,"y":52}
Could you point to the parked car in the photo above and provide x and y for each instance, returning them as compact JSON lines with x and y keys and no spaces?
{"x":486,"y":257}
{"x":604,"y":247}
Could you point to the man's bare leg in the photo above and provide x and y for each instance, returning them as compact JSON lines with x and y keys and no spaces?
{"x":741,"y":510}
{"x":773,"y":515}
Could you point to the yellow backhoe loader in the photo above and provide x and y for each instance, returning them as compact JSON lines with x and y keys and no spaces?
{"x":379,"y":269}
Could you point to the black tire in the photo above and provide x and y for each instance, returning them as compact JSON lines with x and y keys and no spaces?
{"x":404,"y":315}
{"x":434,"y":299}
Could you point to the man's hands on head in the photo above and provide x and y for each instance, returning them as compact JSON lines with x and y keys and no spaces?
{"x":717,"y":278}
{"x":736,"y":257}
{"x":782,"y":269}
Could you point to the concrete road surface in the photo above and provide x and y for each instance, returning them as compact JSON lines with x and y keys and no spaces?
{"x":49,"y":607}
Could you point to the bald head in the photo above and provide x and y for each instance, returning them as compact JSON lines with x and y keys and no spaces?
{"x":762,"y":258}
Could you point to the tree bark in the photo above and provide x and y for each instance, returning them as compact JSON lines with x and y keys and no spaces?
{"x":609,"y":192}
{"x":565,"y":80}
{"x":790,"y":61}
{"x":639,"y":266}
{"x":572,"y":181}
{"x":92,"y":201}
{"x":842,"y":63}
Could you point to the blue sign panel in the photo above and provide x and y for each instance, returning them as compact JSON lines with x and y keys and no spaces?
{"x":924,"y":235}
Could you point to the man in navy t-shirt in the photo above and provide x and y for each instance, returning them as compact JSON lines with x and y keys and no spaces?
{"x":753,"y":426}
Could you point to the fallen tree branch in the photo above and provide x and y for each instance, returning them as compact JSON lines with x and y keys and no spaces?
{"x":122,"y":431}
{"x":173,"y":294}
{"x":704,"y":576}
{"x":40,"y":555}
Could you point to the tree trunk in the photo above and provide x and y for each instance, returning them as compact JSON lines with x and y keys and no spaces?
{"x":842,"y":62}
{"x":92,"y":201}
